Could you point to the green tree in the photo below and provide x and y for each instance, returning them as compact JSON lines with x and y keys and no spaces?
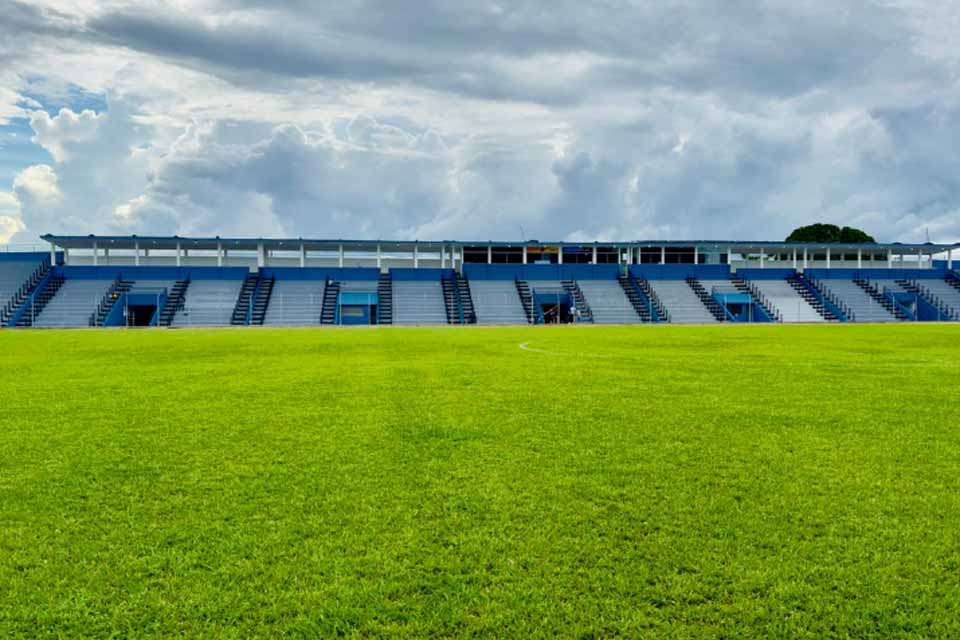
{"x":820,"y":232}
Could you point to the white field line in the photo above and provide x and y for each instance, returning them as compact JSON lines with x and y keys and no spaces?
{"x":525,"y":346}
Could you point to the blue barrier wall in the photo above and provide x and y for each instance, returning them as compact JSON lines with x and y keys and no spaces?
{"x":86,"y":272}
{"x":420,"y":275}
{"x":322,"y":273}
{"x":541,"y":271}
{"x":681,"y":271}
{"x":765,"y":274}
{"x":872,"y":274}
{"x":27,"y":256}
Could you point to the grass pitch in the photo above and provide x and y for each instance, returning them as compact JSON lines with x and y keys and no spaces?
{"x":787,"y":481}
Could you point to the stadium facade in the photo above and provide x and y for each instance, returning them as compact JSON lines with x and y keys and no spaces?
{"x":111,"y":281}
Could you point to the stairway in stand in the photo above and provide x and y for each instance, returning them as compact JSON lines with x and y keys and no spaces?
{"x":462,"y":287}
{"x":922,"y":292}
{"x":635,"y":297}
{"x":110,"y":298}
{"x":331,"y":298}
{"x":526,"y":299}
{"x":385,"y":299}
{"x":450,"y":301}
{"x":175,"y":301}
{"x":881,"y":299}
{"x":261,"y":299}
{"x":953,"y":280}
{"x":712,"y":305}
{"x":242,"y":309}
{"x":750,"y":289}
{"x":658,"y":306}
{"x":24,"y":292}
{"x":579,"y":301}
{"x":39,"y":300}
{"x":803,"y":288}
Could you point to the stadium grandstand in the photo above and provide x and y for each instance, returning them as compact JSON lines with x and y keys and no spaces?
{"x":112,"y":281}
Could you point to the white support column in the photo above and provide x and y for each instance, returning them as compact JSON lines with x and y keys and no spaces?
{"x":594,"y":260}
{"x":524,"y":254}
{"x":950,"y":259}
{"x":443,"y":256}
{"x":794,"y":258}
{"x":763,"y":259}
{"x":146,"y":256}
{"x":53,"y":254}
{"x":560,"y":254}
{"x":663,"y":255}
{"x":219,"y":254}
{"x":489,"y":254}
{"x":106,"y":255}
{"x":730,"y":256}
{"x":136,"y":254}
{"x":828,"y":257}
{"x":303,"y":255}
{"x":804,"y":258}
{"x":889,"y":259}
{"x":379,"y":256}
{"x":340,"y":256}
{"x":416,"y":256}
{"x":178,"y":254}
{"x":66,"y":256}
{"x":859,"y":258}
{"x":696,"y":255}
{"x":96,"y":257}
{"x":261,"y":257}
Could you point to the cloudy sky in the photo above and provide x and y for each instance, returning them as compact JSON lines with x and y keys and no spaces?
{"x":554,"y":119}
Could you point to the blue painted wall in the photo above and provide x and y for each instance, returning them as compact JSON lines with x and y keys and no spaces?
{"x":27,"y":256}
{"x":765,"y":274}
{"x":541,"y":271}
{"x":886,"y":274}
{"x":681,"y":271}
{"x":420,"y":275}
{"x":85,"y":272}
{"x":322,"y":273}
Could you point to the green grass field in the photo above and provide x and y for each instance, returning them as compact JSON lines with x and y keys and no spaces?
{"x":787,"y":481}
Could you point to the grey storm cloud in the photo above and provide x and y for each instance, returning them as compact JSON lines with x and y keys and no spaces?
{"x":570,"y":119}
